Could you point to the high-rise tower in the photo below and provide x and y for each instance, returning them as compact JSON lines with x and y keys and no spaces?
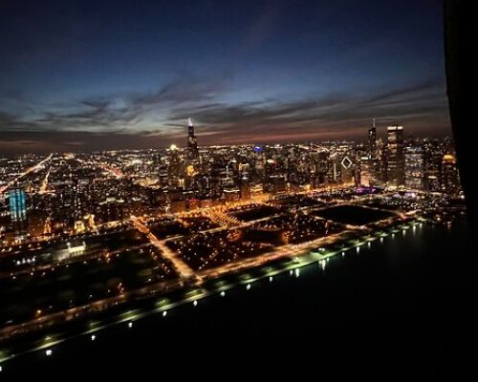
{"x":450,"y":182}
{"x":395,"y":156}
{"x":372,"y":142}
{"x":193,"y":152}
{"x":373,"y":160}
{"x":18,"y":209}
{"x":415,"y":167}
{"x":174,"y":168}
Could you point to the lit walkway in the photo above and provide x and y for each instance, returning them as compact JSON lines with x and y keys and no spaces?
{"x":181,"y":267}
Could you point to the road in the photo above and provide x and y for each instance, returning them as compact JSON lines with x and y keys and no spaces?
{"x":113,"y":171}
{"x":183,"y":270}
{"x":181,"y":267}
{"x":44,"y":185}
{"x":289,"y":251}
{"x":25,"y":173}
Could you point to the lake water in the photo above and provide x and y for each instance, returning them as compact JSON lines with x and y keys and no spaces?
{"x":401,"y":309}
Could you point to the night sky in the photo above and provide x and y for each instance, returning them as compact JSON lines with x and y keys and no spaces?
{"x":89,"y":75}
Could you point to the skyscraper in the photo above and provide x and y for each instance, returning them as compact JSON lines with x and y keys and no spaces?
{"x":395,"y":156}
{"x":18,"y":209}
{"x":174,"y":167}
{"x":373,"y":155}
{"x":193,"y":152}
{"x":365,"y":172}
{"x":450,"y":182}
{"x":415,"y":168}
{"x":434,"y":153}
{"x":372,"y":142}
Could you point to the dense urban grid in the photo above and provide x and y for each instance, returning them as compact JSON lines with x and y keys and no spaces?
{"x":86,"y":233}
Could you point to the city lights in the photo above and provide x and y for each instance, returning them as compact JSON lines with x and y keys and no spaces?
{"x":297,"y":168}
{"x":209,"y":229}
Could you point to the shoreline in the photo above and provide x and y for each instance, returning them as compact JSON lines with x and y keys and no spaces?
{"x":243,"y":276}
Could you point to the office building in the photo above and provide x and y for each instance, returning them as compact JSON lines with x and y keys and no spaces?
{"x":395,"y":156}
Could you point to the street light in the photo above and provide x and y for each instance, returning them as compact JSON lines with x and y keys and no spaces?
{"x":48,"y":352}
{"x":165,"y":313}
{"x":93,"y":337}
{"x":130,"y":324}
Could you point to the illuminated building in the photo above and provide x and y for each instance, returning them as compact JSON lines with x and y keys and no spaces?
{"x":276,"y":184}
{"x":245,"y":188}
{"x":335,"y":170}
{"x":323,"y":164}
{"x":415,"y":168}
{"x":373,"y":155}
{"x":112,"y":209}
{"x":395,"y":156}
{"x":18,"y":209}
{"x":372,"y":141}
{"x":193,"y":152}
{"x":450,"y":182}
{"x":174,"y":168}
{"x":433,"y":164}
{"x":366,"y":171}
{"x":347,"y":170}
{"x":232,"y":194}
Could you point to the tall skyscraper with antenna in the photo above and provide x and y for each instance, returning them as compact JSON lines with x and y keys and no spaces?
{"x":193,"y":152}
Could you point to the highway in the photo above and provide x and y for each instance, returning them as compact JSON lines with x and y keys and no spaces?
{"x":44,"y":185}
{"x":25,"y":173}
{"x":113,"y":171}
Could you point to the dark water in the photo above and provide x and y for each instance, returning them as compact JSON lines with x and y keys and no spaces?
{"x":400,"y":310}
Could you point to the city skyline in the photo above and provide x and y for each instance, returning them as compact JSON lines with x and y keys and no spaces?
{"x":73,"y":79}
{"x":114,"y":229}
{"x":182,"y":177}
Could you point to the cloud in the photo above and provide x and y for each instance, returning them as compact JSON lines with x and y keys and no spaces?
{"x":338,"y":114}
{"x":264,"y":27}
{"x":408,"y":92}
{"x":159,"y":118}
{"x":184,"y":89}
{"x":123,"y":112}
{"x":11,"y":122}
